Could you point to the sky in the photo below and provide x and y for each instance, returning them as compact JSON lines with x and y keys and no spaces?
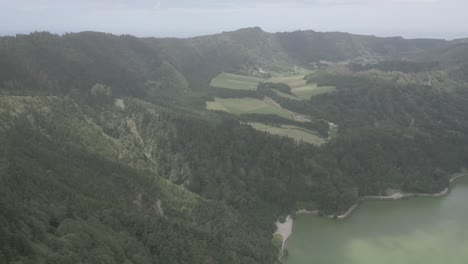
{"x":186,"y":18}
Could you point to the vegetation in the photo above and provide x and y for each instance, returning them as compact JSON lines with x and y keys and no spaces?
{"x":239,"y":106}
{"x":398,"y":65}
{"x":299,"y":87}
{"x":286,"y":95}
{"x":237,"y":82}
{"x":308,"y":91}
{"x":115,"y":159}
{"x":292,"y":86}
{"x":296,"y":133}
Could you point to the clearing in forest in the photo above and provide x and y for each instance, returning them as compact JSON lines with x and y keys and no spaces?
{"x":297,"y":133}
{"x":237,"y":82}
{"x":311,"y":89}
{"x":239,"y":106}
{"x":301,"y":90}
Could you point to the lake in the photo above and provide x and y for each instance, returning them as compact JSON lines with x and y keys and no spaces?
{"x":413,"y":231}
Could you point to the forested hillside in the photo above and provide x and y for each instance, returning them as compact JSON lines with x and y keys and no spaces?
{"x":311,"y":46}
{"x":108,"y":154}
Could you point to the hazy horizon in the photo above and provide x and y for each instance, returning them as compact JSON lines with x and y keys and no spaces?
{"x":444,"y":19}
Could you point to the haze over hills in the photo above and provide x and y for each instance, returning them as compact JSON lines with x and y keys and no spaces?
{"x":138,"y":58}
{"x":109,"y":154}
{"x":182,"y":18}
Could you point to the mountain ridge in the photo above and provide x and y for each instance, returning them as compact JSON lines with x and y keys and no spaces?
{"x":197,"y":59}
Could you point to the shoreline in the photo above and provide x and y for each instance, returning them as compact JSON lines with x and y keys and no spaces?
{"x":400,"y":196}
{"x":285,"y":229}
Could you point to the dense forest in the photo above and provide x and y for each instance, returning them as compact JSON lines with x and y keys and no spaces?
{"x":108,"y":154}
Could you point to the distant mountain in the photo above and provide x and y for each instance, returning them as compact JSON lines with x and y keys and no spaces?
{"x":45,"y":62}
{"x":310,"y":46}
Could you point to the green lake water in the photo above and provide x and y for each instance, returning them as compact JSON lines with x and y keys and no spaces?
{"x":413,"y":231}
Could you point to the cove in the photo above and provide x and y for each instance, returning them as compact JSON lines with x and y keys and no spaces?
{"x":416,"y":230}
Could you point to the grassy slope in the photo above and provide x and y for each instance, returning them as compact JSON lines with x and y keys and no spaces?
{"x":310,"y":90}
{"x":239,"y":106}
{"x":285,"y":95}
{"x":299,"y":87}
{"x":294,"y":132}
{"x":296,"y":80}
{"x":238,"y":82}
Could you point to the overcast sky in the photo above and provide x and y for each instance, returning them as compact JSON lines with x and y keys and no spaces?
{"x":185,"y":18}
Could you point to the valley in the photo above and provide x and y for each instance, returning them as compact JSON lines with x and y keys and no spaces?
{"x":299,"y":90}
{"x":119,"y":149}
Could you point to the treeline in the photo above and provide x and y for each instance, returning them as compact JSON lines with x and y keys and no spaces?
{"x":230,"y":93}
{"x":396,"y":65}
{"x":265,"y":86}
{"x":42,"y":63}
{"x":321,"y":126}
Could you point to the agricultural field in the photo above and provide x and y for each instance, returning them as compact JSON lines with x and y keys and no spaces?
{"x":297,"y":133}
{"x":311,"y":89}
{"x":294,"y":81}
{"x":237,"y":82}
{"x":300,"y":89}
{"x":285,"y":95}
{"x":239,"y":106}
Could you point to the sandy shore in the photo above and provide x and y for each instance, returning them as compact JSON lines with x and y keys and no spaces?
{"x":457,"y":176}
{"x":285,"y":229}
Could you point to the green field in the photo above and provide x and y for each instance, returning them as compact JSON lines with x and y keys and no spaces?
{"x":294,"y":132}
{"x":285,"y":95}
{"x":294,"y":81}
{"x":309,"y":90}
{"x":237,"y":82}
{"x":299,"y":87}
{"x":239,"y":106}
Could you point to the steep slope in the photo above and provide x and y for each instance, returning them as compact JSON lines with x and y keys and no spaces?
{"x":77,"y":186}
{"x":42,"y":63}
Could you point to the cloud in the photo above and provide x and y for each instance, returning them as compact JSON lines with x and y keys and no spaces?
{"x":146,"y":4}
